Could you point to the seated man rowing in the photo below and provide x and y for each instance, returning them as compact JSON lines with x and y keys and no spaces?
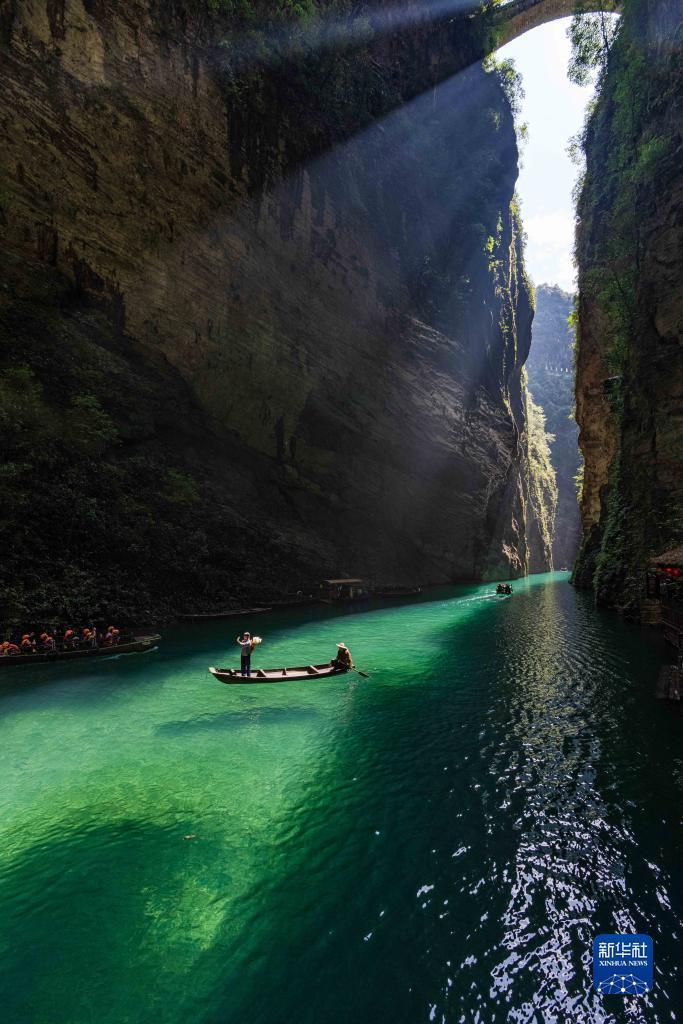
{"x":343,"y":661}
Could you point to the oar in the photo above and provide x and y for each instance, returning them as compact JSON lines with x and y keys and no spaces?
{"x":365,"y":675}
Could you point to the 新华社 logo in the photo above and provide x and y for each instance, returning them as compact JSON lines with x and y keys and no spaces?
{"x":623,"y":964}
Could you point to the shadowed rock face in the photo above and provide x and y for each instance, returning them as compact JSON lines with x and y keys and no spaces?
{"x":629,"y":389}
{"x":303,"y":335}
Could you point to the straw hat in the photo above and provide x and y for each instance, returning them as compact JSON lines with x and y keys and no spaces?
{"x":343,"y":646}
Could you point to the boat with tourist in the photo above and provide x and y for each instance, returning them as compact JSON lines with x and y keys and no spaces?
{"x":340,"y":664}
{"x":127,"y":645}
{"x":280,"y":675}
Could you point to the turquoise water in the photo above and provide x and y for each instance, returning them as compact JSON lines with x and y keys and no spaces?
{"x":439,"y":842}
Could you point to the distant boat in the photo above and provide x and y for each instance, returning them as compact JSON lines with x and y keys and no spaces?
{"x":397,"y":591}
{"x":279,"y":675}
{"x":136,"y":643}
{"x":348,"y":589}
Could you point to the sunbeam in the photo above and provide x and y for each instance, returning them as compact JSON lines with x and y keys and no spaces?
{"x":321,"y":32}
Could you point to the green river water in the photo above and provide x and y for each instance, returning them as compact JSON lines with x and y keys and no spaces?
{"x":440,"y":842}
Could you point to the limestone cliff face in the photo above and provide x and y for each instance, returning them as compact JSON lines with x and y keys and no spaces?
{"x":550,"y":367}
{"x":270,"y":316}
{"x":629,"y":387}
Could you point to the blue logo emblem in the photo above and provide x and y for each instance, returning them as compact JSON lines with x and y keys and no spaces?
{"x":623,"y":964}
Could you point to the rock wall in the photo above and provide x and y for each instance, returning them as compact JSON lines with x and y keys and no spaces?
{"x":263,"y":317}
{"x":629,"y":390}
{"x":550,"y":368}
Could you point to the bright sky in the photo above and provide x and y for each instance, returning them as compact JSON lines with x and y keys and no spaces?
{"x":554,"y":110}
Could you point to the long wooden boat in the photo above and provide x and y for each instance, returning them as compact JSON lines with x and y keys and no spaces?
{"x":278,"y":675}
{"x":136,"y":643}
{"x":233,"y":613}
{"x":397,"y":591}
{"x":294,"y":602}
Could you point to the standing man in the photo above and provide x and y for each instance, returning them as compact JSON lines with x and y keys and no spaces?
{"x":245,"y":645}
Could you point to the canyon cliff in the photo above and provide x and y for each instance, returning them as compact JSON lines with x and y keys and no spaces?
{"x":550,"y":368}
{"x":629,"y":388}
{"x":263,"y":316}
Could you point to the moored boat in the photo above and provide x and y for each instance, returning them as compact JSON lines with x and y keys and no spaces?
{"x":230,"y":614}
{"x":343,"y":590}
{"x":135,"y":643}
{"x":279,"y":675}
{"x":397,"y":591}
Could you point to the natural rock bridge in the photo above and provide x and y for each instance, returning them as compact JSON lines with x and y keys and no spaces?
{"x":515,"y":18}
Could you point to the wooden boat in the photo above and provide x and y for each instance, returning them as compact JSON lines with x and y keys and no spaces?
{"x":279,"y":675}
{"x":397,"y":591}
{"x":206,"y":616}
{"x":135,"y":643}
{"x":343,"y":591}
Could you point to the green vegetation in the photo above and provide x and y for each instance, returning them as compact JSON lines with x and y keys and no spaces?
{"x":180,"y":488}
{"x":511,"y":83}
{"x":101,"y":512}
{"x":591,"y":37}
{"x":542,"y":481}
{"x":578,"y":482}
{"x":253,"y":11}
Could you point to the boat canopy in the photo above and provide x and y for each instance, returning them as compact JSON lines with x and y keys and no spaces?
{"x":668,"y":559}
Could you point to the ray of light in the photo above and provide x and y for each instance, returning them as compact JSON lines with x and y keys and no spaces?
{"x":321,"y":34}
